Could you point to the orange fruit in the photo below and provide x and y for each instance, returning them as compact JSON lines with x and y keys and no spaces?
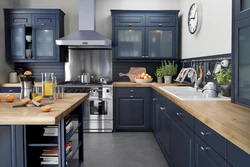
{"x":27,"y":73}
{"x":10,"y":98}
{"x":46,"y":108}
{"x":0,"y":98}
{"x":25,"y":100}
{"x":38,"y":99}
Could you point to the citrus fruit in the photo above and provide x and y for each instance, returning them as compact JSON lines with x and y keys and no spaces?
{"x":25,"y":100}
{"x":38,"y":99}
{"x":0,"y":98}
{"x":27,"y":73}
{"x":10,"y":98}
{"x":46,"y":108}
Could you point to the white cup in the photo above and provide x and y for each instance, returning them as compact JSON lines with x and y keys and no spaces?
{"x":28,"y":38}
{"x":224,"y":63}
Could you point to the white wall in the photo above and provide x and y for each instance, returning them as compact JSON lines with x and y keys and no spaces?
{"x":103,"y":15}
{"x":215,"y":33}
{"x":4,"y":66}
{"x":70,"y":8}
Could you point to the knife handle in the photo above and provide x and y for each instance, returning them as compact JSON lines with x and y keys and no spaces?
{"x":18,"y":105}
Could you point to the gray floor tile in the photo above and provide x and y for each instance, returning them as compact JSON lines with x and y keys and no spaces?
{"x":138,"y":149}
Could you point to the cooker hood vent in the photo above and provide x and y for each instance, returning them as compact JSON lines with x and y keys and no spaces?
{"x":86,"y":37}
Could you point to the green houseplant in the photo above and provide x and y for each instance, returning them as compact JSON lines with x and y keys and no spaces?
{"x":224,"y":80}
{"x":159,"y":74}
{"x":169,"y":70}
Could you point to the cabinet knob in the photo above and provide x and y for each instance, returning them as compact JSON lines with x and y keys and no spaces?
{"x":154,"y":99}
{"x":43,"y":24}
{"x":131,"y":96}
{"x":131,"y":90}
{"x":143,"y":56}
{"x":204,"y":134}
{"x":10,"y":90}
{"x":178,"y":113}
{"x":162,"y":108}
{"x":146,"y":56}
{"x":160,"y":24}
{"x":130,"y":24}
{"x":205,"y":148}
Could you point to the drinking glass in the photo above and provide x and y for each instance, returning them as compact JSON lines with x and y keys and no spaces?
{"x":48,"y":83}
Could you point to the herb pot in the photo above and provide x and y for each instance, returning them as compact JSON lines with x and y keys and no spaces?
{"x":226,"y":90}
{"x":168,"y":79}
{"x":159,"y":79}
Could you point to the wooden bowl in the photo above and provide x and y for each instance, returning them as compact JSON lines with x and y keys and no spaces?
{"x":143,"y":80}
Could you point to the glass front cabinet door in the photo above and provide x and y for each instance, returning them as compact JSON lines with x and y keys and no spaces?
{"x":160,"y":42}
{"x":242,"y":62}
{"x":43,"y":45}
{"x":17,"y":42}
{"x":129,"y":42}
{"x":242,"y":9}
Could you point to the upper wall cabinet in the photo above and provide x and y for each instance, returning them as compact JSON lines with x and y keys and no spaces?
{"x":241,"y":9}
{"x":151,"y":35}
{"x":30,"y":35}
{"x":240,"y":51}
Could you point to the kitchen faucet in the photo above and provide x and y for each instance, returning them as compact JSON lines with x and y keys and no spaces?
{"x":197,"y":81}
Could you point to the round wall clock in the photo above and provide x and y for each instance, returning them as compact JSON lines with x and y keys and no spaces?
{"x":194,"y":18}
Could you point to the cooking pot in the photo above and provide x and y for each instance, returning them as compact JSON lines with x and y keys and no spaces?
{"x":84,"y":78}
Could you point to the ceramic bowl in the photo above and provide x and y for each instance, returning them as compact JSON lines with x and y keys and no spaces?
{"x":143,"y":80}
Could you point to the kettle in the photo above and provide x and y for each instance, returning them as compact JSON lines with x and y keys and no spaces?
{"x":13,"y":76}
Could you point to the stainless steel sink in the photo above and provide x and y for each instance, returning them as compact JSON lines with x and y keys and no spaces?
{"x":189,"y":93}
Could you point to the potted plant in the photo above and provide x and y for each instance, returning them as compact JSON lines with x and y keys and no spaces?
{"x":159,"y":74}
{"x":169,"y":70}
{"x":224,"y":80}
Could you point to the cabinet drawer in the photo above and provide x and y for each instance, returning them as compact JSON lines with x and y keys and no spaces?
{"x":44,"y":19}
{"x":212,"y":138}
{"x":184,"y":117}
{"x":10,"y":89}
{"x":130,"y":20}
{"x":133,"y":92}
{"x":205,"y":156}
{"x":16,"y":19}
{"x":160,"y":20}
{"x":237,"y":157}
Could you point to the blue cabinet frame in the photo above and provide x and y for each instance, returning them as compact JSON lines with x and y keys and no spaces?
{"x":240,"y":14}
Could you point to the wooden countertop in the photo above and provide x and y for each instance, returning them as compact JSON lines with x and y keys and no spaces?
{"x":230,"y":120}
{"x":34,"y":115}
{"x":37,"y":84}
{"x":133,"y":84}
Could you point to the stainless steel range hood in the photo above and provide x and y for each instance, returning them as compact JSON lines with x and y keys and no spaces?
{"x":86,"y":37}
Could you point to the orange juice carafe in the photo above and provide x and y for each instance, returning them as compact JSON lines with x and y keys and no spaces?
{"x":48,"y":84}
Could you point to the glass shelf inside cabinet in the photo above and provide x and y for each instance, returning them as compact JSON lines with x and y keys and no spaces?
{"x":245,"y":4}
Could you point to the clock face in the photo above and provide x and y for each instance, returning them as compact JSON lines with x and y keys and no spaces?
{"x":193,"y":18}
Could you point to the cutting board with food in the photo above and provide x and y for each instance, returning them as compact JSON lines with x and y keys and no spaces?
{"x":133,"y":72}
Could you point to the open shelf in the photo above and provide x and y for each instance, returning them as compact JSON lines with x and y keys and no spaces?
{"x":75,"y":148}
{"x":72,"y":132}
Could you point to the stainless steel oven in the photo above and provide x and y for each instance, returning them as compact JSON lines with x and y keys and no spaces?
{"x":98,"y":107}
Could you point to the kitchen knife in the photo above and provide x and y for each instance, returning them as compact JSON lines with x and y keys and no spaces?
{"x":18,"y":105}
{"x":41,"y":104}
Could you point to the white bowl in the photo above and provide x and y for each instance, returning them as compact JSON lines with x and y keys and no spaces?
{"x":28,"y":38}
{"x":143,"y":80}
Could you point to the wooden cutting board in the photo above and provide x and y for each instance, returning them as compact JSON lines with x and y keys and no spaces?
{"x":133,"y":72}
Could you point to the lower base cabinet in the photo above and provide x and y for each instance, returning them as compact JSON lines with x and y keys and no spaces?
{"x":132,"y":111}
{"x":182,"y":146}
{"x":12,"y":146}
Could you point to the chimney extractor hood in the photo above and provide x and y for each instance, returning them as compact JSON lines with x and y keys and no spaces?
{"x":86,"y":37}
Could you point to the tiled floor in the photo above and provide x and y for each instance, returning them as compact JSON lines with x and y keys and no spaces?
{"x":122,"y":149}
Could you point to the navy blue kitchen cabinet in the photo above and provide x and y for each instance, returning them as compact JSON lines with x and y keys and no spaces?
{"x":237,"y":157}
{"x":145,"y":35}
{"x":241,"y":9}
{"x":132,"y":111}
{"x":240,"y":57}
{"x":12,"y":151}
{"x":205,"y":156}
{"x":43,"y":26}
{"x":182,"y":151}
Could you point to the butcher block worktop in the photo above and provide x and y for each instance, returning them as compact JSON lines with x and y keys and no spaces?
{"x":133,"y":84}
{"x":34,"y":116}
{"x":230,"y":120}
